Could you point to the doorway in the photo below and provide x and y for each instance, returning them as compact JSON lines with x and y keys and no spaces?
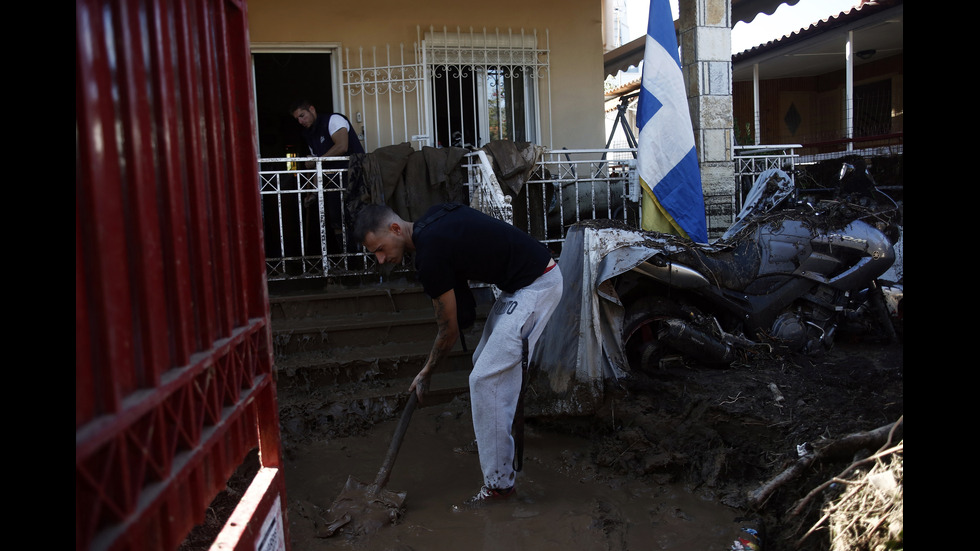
{"x":291,"y":227}
{"x":280,"y":79}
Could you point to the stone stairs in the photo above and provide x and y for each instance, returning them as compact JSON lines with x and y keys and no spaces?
{"x":346,"y":355}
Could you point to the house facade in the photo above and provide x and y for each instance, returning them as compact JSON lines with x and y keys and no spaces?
{"x":453,"y":75}
{"x":432,"y":74}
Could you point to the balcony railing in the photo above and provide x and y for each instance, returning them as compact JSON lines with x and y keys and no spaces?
{"x":305,"y":225}
{"x":753,"y":160}
{"x":307,"y":230}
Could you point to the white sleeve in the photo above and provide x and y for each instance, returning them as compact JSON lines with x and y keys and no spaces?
{"x":335,"y":123}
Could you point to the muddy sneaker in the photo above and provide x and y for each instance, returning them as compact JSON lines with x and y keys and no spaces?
{"x":485,"y":496}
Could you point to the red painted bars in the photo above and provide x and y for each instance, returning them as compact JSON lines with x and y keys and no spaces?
{"x":173,"y":355}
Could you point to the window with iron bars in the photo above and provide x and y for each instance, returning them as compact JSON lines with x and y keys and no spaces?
{"x":484,"y":86}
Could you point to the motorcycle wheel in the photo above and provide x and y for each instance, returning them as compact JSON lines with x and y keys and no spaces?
{"x":643,"y":320}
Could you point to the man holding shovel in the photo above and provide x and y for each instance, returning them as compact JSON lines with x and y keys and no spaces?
{"x":455,"y":244}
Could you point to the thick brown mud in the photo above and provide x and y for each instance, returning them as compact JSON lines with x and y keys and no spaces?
{"x":563,"y":501}
{"x":673,"y":463}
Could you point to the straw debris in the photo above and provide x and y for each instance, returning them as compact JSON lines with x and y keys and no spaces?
{"x":868,"y":514}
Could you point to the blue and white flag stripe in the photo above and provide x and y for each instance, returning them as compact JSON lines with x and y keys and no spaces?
{"x":666,"y":157}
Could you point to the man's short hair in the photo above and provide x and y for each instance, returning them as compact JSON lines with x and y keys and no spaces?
{"x":371,"y":219}
{"x":299,"y":104}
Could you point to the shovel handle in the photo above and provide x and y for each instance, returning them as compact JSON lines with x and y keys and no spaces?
{"x":396,"y":442}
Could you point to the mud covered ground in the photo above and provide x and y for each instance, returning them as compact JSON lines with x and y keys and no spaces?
{"x":670,"y":463}
{"x":729,"y":434}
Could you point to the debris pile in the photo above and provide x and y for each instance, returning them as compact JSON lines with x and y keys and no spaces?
{"x":869,"y":513}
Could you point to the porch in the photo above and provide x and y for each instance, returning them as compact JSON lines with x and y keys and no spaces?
{"x":308,"y":227}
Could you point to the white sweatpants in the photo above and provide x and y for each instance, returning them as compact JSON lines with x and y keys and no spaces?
{"x":495,"y":382}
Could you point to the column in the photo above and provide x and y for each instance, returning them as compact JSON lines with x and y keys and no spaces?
{"x":706,"y":60}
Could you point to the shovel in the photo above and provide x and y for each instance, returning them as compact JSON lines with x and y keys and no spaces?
{"x":364,"y":508}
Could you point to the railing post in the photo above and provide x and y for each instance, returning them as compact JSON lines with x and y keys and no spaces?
{"x":324,"y":259}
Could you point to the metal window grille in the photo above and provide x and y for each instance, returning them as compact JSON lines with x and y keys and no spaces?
{"x":486,"y":86}
{"x":450,"y":88}
{"x":386,"y":100}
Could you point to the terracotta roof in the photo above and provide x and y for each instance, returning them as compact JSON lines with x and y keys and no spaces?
{"x":623,"y":88}
{"x":613,"y":95}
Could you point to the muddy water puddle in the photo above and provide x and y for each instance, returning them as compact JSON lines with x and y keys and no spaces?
{"x":561,"y":504}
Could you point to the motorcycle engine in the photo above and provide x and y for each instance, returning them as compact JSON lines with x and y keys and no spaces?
{"x":801,"y":333}
{"x":790,"y":329}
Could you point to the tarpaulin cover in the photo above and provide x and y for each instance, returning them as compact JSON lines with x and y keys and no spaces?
{"x":580,"y":351}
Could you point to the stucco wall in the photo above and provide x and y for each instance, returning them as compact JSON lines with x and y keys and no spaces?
{"x":571,"y":28}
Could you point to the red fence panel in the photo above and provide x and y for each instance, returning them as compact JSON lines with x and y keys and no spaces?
{"x":173,"y":355}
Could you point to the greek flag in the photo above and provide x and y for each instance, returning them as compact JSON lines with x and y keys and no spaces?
{"x":667,"y":161}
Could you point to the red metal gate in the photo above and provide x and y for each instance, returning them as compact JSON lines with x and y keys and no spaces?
{"x":173,"y":355}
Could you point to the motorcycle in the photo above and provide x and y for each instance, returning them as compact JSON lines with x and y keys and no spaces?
{"x":786,"y":275}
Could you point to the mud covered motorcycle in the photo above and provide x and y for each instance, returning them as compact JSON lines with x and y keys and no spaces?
{"x":786,"y":275}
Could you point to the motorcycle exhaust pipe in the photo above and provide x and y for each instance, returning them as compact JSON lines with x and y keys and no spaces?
{"x":695,"y":343}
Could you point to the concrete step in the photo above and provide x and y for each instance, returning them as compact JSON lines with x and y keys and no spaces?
{"x":345,"y":356}
{"x":350,"y":318}
{"x":309,"y":407}
{"x":336,"y":301}
{"x":345,"y":409}
{"x":351,"y":330}
{"x":342,"y":334}
{"x":321,"y":368}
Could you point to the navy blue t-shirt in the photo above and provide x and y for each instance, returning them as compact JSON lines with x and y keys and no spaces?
{"x":464,"y":244}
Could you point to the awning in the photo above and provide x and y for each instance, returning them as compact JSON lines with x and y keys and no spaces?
{"x":746,"y":10}
{"x":631,"y":54}
{"x":626,"y":56}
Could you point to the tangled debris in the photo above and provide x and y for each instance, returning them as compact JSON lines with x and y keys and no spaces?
{"x":869,"y":514}
{"x":776,"y":454}
{"x":848,"y":445}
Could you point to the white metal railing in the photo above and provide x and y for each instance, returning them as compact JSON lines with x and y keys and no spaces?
{"x":386,"y":93}
{"x":305,"y":224}
{"x":568,"y":186}
{"x":753,"y":160}
{"x":307,"y":230}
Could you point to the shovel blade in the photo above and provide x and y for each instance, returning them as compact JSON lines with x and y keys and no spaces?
{"x":363,"y":509}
